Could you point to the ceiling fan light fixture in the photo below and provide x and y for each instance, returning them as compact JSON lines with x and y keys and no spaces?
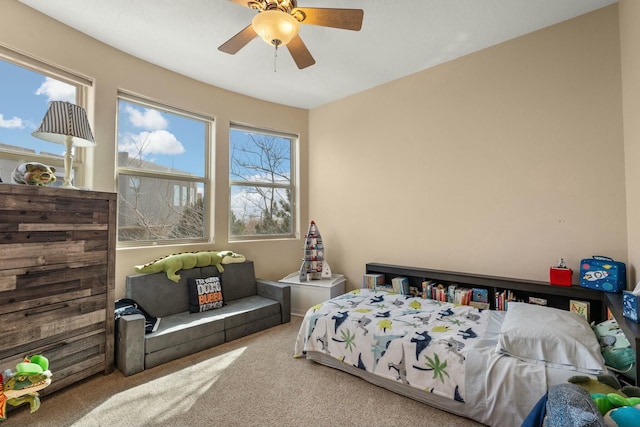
{"x":275,"y":27}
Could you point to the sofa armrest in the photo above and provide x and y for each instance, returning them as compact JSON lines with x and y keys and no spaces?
{"x":130,"y":344}
{"x":280,"y":292}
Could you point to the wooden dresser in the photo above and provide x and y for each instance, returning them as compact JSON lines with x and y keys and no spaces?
{"x":57,"y":269}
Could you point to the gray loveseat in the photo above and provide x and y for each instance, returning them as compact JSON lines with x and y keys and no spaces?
{"x":251,"y":305}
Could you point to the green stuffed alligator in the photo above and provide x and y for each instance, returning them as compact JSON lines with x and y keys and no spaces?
{"x":170,"y":264}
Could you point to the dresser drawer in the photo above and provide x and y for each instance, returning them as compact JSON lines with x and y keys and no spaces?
{"x":38,"y":327}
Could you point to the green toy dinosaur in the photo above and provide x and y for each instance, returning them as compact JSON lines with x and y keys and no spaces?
{"x":607,"y":392}
{"x":170,"y":264}
{"x":23,"y":385}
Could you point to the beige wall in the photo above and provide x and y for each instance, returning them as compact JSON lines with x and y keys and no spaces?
{"x":30,"y":32}
{"x":629,"y":13}
{"x":497,"y":163}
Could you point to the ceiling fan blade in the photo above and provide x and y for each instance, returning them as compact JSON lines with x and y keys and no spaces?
{"x":347,"y":19}
{"x":240,"y":40}
{"x":300,"y":53}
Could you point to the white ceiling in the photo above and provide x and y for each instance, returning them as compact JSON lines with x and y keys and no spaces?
{"x":398,"y":38}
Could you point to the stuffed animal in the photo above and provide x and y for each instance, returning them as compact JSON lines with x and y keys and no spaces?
{"x":624,"y":416}
{"x":565,"y":405}
{"x":22,"y":386}
{"x":170,"y":264}
{"x":34,"y":173}
{"x":618,"y":405}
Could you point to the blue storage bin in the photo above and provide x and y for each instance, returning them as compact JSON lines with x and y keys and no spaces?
{"x":630,"y":306}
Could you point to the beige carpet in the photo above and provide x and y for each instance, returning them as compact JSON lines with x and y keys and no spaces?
{"x":253,"y":381}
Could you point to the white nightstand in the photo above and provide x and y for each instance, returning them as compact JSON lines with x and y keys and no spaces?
{"x":305,"y":295}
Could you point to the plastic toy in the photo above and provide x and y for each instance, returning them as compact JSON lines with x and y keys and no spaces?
{"x":22,"y":386}
{"x":34,"y":173}
{"x":618,"y":405}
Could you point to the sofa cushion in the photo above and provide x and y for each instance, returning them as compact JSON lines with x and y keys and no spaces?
{"x":158,"y":295}
{"x":182,"y":328}
{"x":171,"y":353}
{"x":205,"y":293}
{"x":185,"y":327}
{"x":248,"y":310}
{"x":231,"y":334}
{"x":239,"y":280}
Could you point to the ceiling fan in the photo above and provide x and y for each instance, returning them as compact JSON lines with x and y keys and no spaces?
{"x":278,"y":22}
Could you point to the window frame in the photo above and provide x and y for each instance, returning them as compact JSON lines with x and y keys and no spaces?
{"x":292,"y":186}
{"x":206,"y":180}
{"x":83,"y":86}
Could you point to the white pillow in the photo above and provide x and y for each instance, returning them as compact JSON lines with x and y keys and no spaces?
{"x":550,"y":336}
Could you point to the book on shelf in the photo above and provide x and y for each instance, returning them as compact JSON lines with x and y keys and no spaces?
{"x":384,"y":287}
{"x":372,"y":281}
{"x":439,"y":293}
{"x":434,"y":290}
{"x":480,"y":295}
{"x":451,"y":289}
{"x":461,"y":295}
{"x":400,"y":285}
{"x":427,"y":286}
{"x":453,"y":293}
{"x":581,"y":308}
{"x":536,"y":300}
{"x":502,"y":299}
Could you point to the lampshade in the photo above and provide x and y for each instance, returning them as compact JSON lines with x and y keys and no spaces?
{"x":275,"y":27}
{"x":66,"y":123}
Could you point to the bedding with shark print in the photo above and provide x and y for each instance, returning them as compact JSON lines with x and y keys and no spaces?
{"x":418,"y":342}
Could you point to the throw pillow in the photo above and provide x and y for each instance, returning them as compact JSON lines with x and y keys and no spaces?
{"x":205,"y":294}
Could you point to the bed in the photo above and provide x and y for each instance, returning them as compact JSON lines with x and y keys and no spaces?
{"x":487,"y":365}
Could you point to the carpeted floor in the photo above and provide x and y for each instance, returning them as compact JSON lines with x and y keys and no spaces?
{"x":253,"y":381}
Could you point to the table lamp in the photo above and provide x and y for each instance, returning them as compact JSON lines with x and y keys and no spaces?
{"x":66,"y":123}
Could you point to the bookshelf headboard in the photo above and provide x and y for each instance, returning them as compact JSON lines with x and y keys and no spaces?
{"x":523,"y":289}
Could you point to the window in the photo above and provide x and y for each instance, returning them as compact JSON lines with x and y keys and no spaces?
{"x":261,"y":184}
{"x":26,"y":87}
{"x":163,"y":172}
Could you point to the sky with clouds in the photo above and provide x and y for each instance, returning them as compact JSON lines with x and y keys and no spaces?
{"x":171,"y":140}
{"x":24,"y":98}
{"x":162,"y":138}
